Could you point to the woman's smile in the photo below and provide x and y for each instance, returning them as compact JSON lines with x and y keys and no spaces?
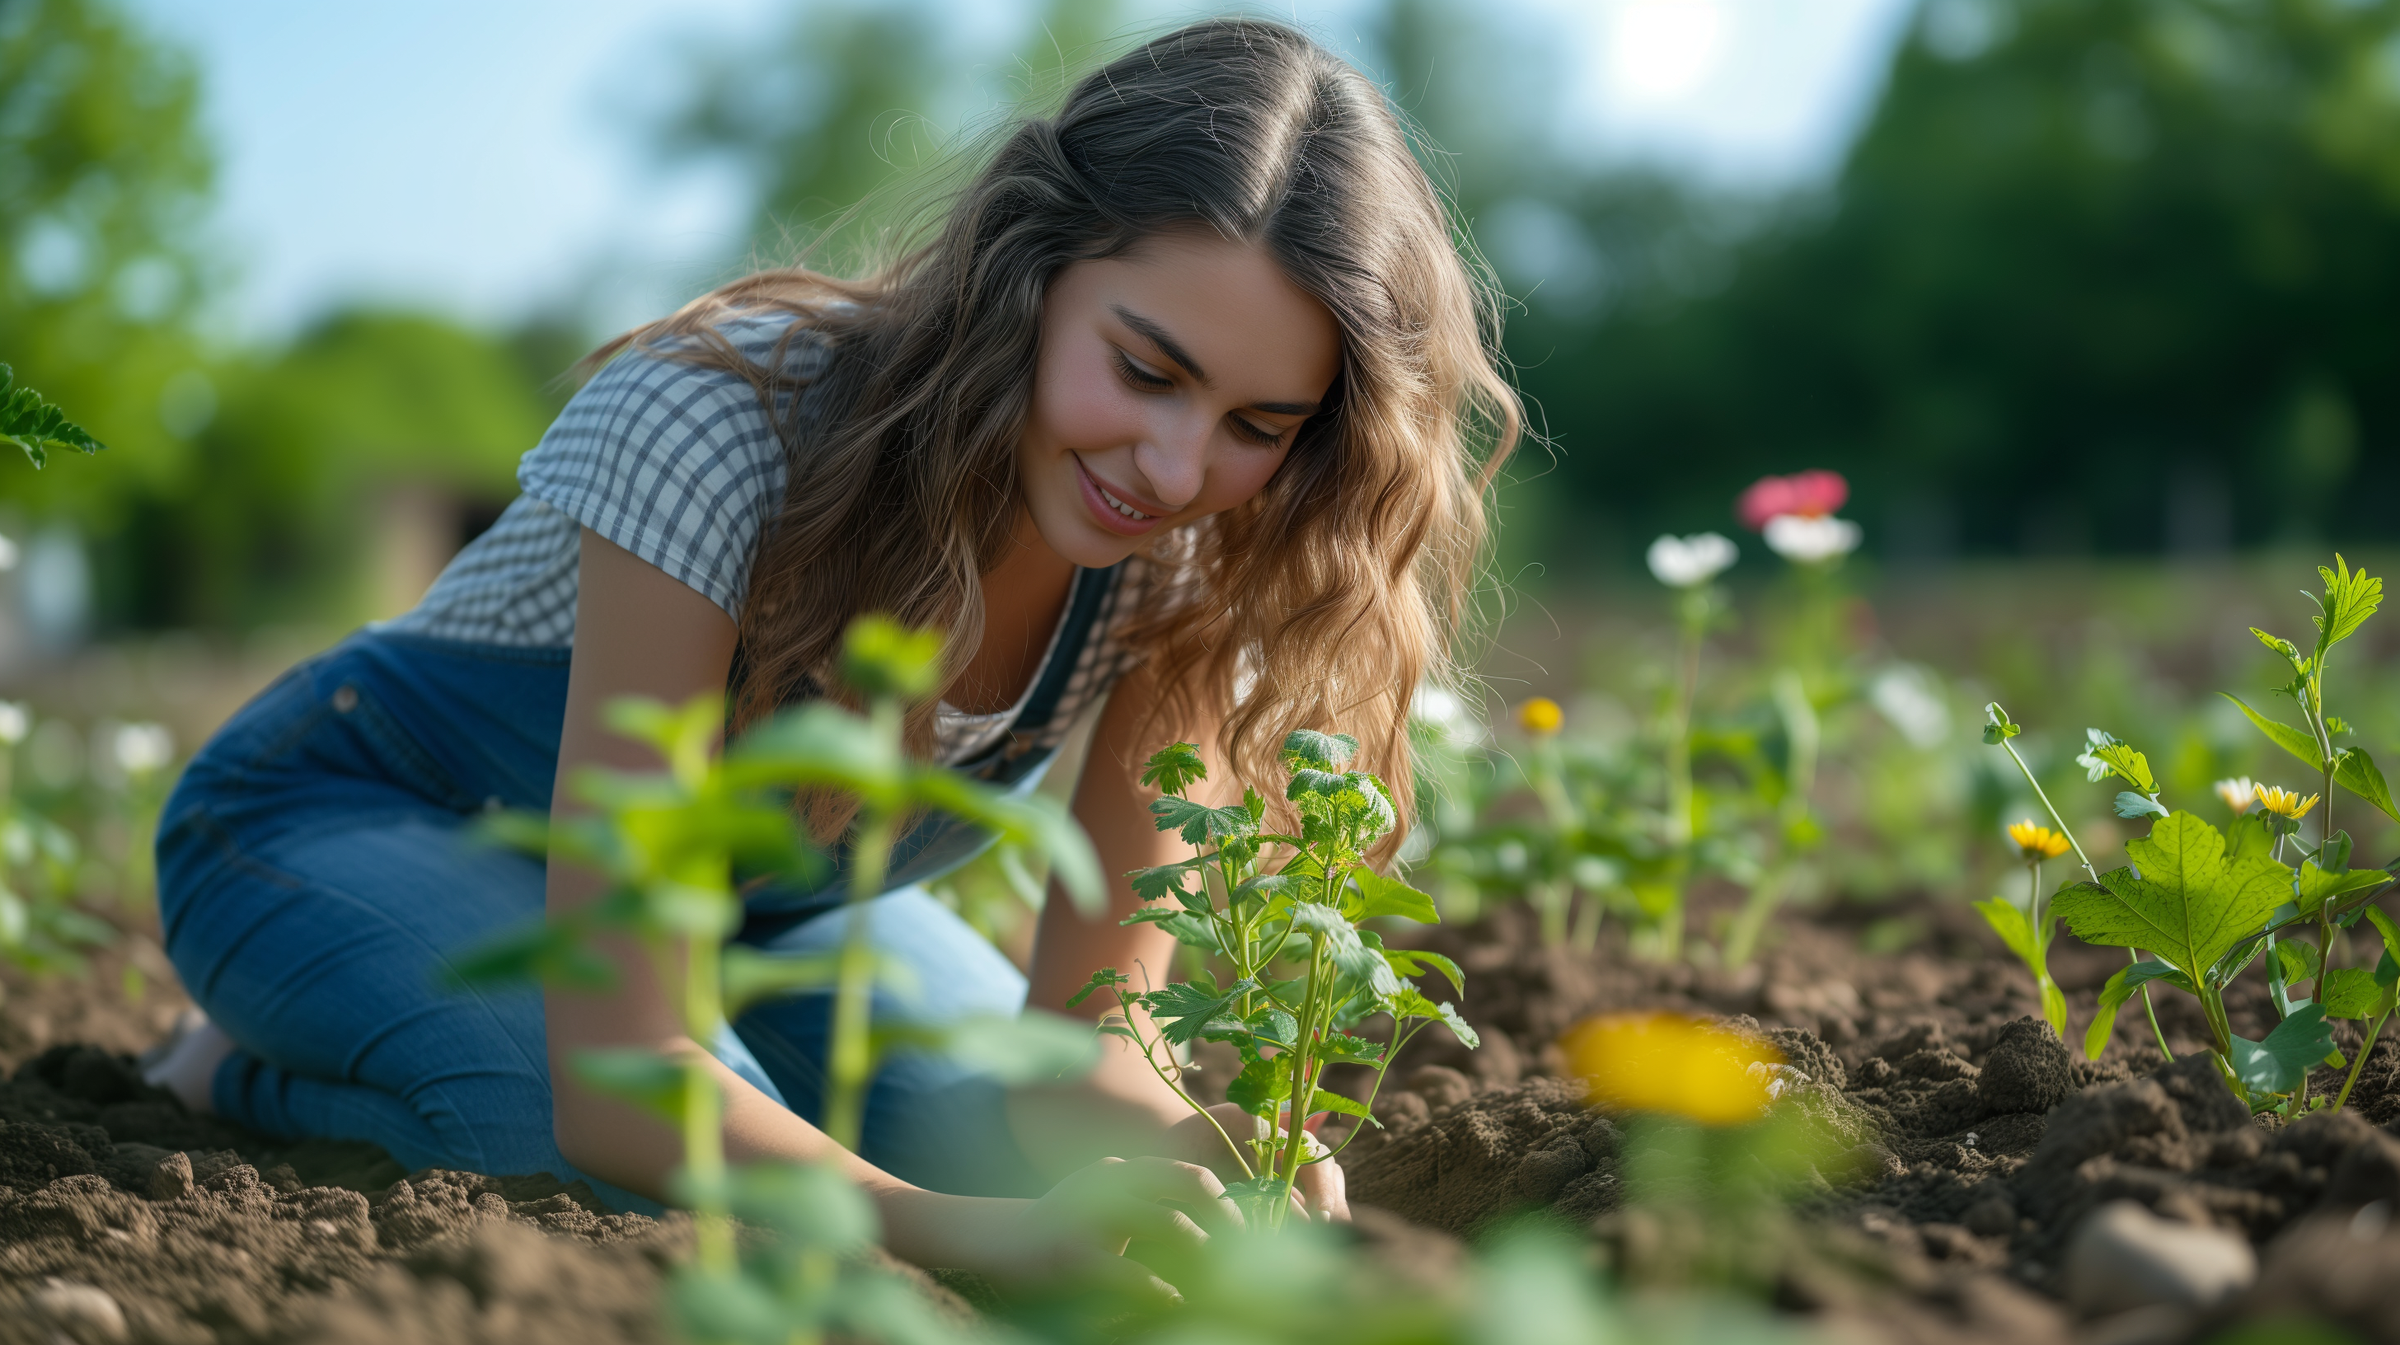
{"x":1112,"y":510}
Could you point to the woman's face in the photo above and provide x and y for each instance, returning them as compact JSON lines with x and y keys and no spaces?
{"x":1170,"y":384}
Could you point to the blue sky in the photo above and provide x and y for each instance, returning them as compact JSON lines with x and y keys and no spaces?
{"x":485,"y":159}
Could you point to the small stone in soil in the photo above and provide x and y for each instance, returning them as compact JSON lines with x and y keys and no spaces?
{"x":172,"y":1178}
{"x":2125,"y":1257}
{"x":79,"y":1311}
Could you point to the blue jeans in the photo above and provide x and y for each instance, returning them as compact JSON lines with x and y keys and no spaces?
{"x":318,"y":874}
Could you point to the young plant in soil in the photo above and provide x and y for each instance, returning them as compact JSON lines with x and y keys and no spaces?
{"x":671,"y":844}
{"x":1288,"y":1028}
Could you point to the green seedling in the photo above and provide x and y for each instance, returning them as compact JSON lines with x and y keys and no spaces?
{"x":1288,"y":1028}
{"x":2027,"y":929}
{"x":2350,"y":597}
{"x":2365,"y":996}
{"x":35,"y":426}
{"x":41,"y":930}
{"x":671,"y":845}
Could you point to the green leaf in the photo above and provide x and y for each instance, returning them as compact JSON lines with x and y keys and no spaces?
{"x":2122,"y":987}
{"x":1342,"y":1048}
{"x":2054,"y":1007}
{"x":1164,"y":880}
{"x":2297,"y":960}
{"x":2248,"y":836}
{"x":1107,"y":978}
{"x":37,"y":427}
{"x":2317,"y":887}
{"x":1014,"y":1049}
{"x":1325,"y":751}
{"x":646,"y":1079}
{"x":749,"y":975}
{"x":2291,"y":652}
{"x":546,"y":952}
{"x":2353,"y":992}
{"x":1199,"y":824}
{"x":1183,"y":1008}
{"x":2292,"y":740}
{"x":881,"y":657}
{"x":1997,"y":729}
{"x":2107,"y":755}
{"x":2281,"y":1062}
{"x":1174,"y":768}
{"x":2385,"y":927}
{"x":1412,"y":1003}
{"x":1356,"y":963}
{"x":2350,"y":598}
{"x":1390,"y":896}
{"x":1323,"y":1100}
{"x":2008,"y":921}
{"x":2131,"y":805}
{"x":2355,"y":771}
{"x":2188,"y":903}
{"x":1261,"y":1087}
{"x":1417,"y":961}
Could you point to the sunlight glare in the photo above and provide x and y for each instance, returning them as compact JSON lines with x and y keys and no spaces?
{"x":1661,"y":49}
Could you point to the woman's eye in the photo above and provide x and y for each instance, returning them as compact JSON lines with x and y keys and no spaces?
{"x":1138,"y":376}
{"x":1255,"y":433}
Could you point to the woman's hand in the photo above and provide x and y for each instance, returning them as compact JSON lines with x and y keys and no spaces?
{"x":1318,"y":1193}
{"x":1126,"y":1221}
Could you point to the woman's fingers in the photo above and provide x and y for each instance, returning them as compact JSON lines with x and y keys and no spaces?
{"x":1323,"y":1192}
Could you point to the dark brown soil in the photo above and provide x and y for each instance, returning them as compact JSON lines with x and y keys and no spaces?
{"x":1960,"y":1144}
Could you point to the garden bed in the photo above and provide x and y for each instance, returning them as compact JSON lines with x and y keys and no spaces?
{"x":1974,"y":1145}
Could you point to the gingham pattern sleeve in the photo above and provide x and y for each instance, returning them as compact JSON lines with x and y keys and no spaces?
{"x":676,"y":463}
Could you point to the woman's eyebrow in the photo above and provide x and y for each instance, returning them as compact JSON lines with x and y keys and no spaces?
{"x":1157,"y":336}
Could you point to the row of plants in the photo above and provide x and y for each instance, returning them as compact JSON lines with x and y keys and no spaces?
{"x":1291,"y":976}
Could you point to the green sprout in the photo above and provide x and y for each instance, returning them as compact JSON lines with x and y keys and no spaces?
{"x":671,"y":844}
{"x":1287,"y":1028}
{"x":35,"y":426}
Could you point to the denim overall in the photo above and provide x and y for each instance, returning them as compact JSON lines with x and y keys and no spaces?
{"x":318,"y":872}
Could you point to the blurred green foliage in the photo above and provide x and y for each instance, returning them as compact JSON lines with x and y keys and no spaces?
{"x":2099,"y":275}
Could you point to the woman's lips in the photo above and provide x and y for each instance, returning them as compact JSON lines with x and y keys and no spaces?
{"x":1107,"y":514}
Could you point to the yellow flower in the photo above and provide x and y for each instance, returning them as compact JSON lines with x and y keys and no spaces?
{"x":1667,"y":1062}
{"x":2036,"y":843}
{"x":1541,"y":716}
{"x":2283,"y":802}
{"x":2239,"y":794}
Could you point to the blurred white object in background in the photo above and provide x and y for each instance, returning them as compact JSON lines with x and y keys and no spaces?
{"x":1681,"y":562}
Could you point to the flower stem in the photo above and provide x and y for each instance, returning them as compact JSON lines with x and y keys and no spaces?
{"x":2360,"y":1062}
{"x":704,"y":1110}
{"x":851,"y":1059}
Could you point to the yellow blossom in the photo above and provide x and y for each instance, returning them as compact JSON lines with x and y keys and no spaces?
{"x":1541,"y":716}
{"x":1667,"y":1062}
{"x":2283,"y":802}
{"x":2239,"y":794}
{"x":2036,"y":843}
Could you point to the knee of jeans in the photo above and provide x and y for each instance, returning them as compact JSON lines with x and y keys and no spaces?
{"x":496,"y":1122}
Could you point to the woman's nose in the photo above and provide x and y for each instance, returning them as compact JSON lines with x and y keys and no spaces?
{"x":1174,"y":462}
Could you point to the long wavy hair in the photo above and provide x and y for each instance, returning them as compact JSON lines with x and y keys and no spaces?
{"x":1324,"y":601}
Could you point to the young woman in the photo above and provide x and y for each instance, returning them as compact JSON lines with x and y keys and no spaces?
{"x":1185,"y":406}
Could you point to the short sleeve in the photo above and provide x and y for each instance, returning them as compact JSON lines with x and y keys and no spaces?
{"x":677,"y":463}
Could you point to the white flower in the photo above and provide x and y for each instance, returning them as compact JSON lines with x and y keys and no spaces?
{"x":15,"y":723}
{"x":1442,"y":710}
{"x":142,"y":748}
{"x":1807,"y":538}
{"x":1683,"y":562}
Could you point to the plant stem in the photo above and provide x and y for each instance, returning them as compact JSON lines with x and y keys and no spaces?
{"x":1693,"y":611}
{"x":2131,"y":954}
{"x":2360,"y":1062}
{"x":851,"y":1058}
{"x":704,"y":1111}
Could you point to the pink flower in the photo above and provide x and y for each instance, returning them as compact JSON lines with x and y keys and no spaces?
{"x":1810,"y":494}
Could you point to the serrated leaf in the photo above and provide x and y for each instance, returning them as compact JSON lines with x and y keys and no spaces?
{"x":2316,"y":887}
{"x":1162,"y":881}
{"x":1341,"y":1047}
{"x":2121,"y":987}
{"x":1325,"y":751}
{"x":2130,"y":805}
{"x":2188,"y":903}
{"x":2282,"y":1061}
{"x":1324,"y":1100}
{"x":2355,"y":771}
{"x":2350,"y":598}
{"x":2292,"y":740}
{"x":37,"y":427}
{"x":1183,"y":1008}
{"x":1199,"y":824}
{"x":2353,"y":992}
{"x":2297,"y":960}
{"x":1106,"y":978}
{"x":1389,"y":896}
{"x":1261,"y":1087}
{"x":1412,"y":1003}
{"x":1174,"y":768}
{"x":1357,"y":964}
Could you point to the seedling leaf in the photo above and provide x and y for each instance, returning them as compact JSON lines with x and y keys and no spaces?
{"x":2131,"y":805}
{"x":1415,"y":962}
{"x":2318,"y":887}
{"x":2353,"y":992}
{"x":2188,"y":902}
{"x":2297,"y":959}
{"x":2351,"y":596}
{"x":1322,"y":1100}
{"x":1260,"y":1088}
{"x":1997,"y":728}
{"x":2283,"y":735}
{"x":1174,"y":768}
{"x":1325,"y":751}
{"x":1389,"y":896}
{"x":2121,"y":987}
{"x":1104,"y":979}
{"x":1198,"y":824}
{"x":37,"y":427}
{"x":2283,"y":1060}
{"x":2008,"y":921}
{"x":2355,"y":771}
